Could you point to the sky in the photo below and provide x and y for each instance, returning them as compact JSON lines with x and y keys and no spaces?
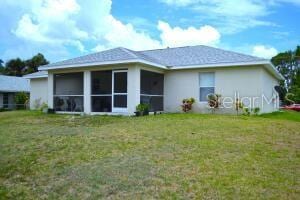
{"x":63,"y":29}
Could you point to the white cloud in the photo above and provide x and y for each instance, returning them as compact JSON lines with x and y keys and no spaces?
{"x":179,"y":2}
{"x":264,"y":51}
{"x":230,"y":16}
{"x":50,"y":22}
{"x":68,"y":22}
{"x":27,"y":30}
{"x":57,"y":25}
{"x":174,"y":37}
{"x":98,"y":48}
{"x":119,"y":34}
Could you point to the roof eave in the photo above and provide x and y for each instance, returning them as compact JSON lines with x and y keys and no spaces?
{"x":42,"y":68}
{"x":14,"y":91}
{"x":275,"y":72}
{"x":266,"y":63}
{"x":33,"y":77}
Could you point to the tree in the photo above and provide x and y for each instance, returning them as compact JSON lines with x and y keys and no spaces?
{"x":295,"y":87}
{"x":33,"y":63}
{"x":15,"y":67}
{"x":18,"y":67}
{"x":1,"y":67}
{"x":288,"y":64}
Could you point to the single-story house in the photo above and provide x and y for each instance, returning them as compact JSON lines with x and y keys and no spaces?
{"x":9,"y":86}
{"x":38,"y":89}
{"x":115,"y":81}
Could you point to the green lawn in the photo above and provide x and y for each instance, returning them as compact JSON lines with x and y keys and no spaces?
{"x":170,"y":156}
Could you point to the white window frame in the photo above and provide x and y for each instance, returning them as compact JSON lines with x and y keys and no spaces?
{"x":205,"y":86}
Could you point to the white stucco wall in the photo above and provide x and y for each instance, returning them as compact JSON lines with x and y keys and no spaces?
{"x":271,"y":97}
{"x":244,"y":81}
{"x":87,"y":92}
{"x":133,"y":88}
{"x":38,"y":92}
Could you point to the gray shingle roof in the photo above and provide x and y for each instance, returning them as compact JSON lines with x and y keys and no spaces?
{"x":170,"y":57}
{"x":197,"y":55}
{"x":14,"y":84}
{"x":116,"y":54}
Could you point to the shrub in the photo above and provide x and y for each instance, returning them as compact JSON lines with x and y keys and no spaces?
{"x":44,"y":107}
{"x":21,"y":100}
{"x":187,"y":104}
{"x":256,"y":110}
{"x":214,"y":101}
{"x":142,"y":109}
{"x":238,"y":105}
{"x":246,"y":111}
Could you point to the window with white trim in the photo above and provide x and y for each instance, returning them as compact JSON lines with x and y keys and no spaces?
{"x":206,"y":85}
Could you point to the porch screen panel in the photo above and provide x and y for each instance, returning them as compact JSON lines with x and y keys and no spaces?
{"x":120,"y":89}
{"x":152,"y":89}
{"x":101,"y":91}
{"x":68,"y":92}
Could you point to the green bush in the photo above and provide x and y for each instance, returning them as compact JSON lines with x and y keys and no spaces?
{"x":142,"y":107}
{"x":252,"y":111}
{"x":21,"y":99}
{"x":246,"y":111}
{"x":256,"y":110}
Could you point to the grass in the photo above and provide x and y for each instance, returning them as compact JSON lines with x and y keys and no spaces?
{"x":283,"y":115}
{"x":170,"y":156}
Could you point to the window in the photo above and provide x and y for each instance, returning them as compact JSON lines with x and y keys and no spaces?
{"x":5,"y":100}
{"x":68,"y":92}
{"x":102,"y":91}
{"x":152,"y":89}
{"x":207,"y":85}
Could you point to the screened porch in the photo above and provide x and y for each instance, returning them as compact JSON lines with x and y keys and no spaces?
{"x":108,"y":91}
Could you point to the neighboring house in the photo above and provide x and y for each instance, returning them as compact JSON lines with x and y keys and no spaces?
{"x":9,"y":86}
{"x":38,"y":89}
{"x":116,"y":80}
